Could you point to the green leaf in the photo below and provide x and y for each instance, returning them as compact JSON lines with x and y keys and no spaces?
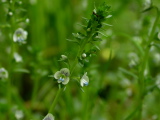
{"x":78,"y":36}
{"x":147,"y":9}
{"x":75,"y":41}
{"x":128,"y":72}
{"x":97,"y":39}
{"x":82,"y":25}
{"x":21,"y":70}
{"x":5,"y":25}
{"x":106,"y":24}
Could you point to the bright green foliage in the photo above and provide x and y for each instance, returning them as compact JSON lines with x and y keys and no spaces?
{"x":109,"y":78}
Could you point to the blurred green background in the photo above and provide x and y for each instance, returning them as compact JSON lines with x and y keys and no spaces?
{"x":112,"y":92}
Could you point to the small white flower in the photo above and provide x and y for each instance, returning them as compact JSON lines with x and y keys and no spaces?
{"x":3,"y":73}
{"x":19,"y":114}
{"x":158,"y":81}
{"x":84,"y":80}
{"x":20,"y":2}
{"x":27,"y":20}
{"x":17,"y":57}
{"x":49,"y":116}
{"x":33,"y":2}
{"x":158,"y":35}
{"x":10,"y":13}
{"x":62,"y":76}
{"x":20,"y":36}
{"x":3,"y":0}
{"x":84,"y":55}
{"x":134,"y":59}
{"x":63,"y":57}
{"x":147,"y":4}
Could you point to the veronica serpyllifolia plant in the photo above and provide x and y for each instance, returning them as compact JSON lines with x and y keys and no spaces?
{"x":90,"y":37}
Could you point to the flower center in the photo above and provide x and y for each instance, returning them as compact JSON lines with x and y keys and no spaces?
{"x":61,"y":79}
{"x":85,"y":83}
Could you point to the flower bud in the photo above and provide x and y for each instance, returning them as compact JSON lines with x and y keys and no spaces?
{"x":84,"y":55}
{"x":89,"y":29}
{"x":84,"y":81}
{"x":63,"y":57}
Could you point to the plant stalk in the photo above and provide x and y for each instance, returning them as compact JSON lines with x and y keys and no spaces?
{"x":55,"y":100}
{"x":144,"y":65}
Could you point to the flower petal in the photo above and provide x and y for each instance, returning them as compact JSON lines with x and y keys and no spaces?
{"x":66,"y":80}
{"x":84,"y":80}
{"x":85,"y":77}
{"x":63,"y":57}
{"x":57,"y":75}
{"x":49,"y":116}
{"x":59,"y":81}
{"x":65,"y":71}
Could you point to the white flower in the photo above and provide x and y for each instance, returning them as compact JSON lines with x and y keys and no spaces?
{"x":158,"y":81}
{"x":3,"y":0}
{"x":3,"y":73}
{"x":158,"y":35}
{"x":134,"y":59}
{"x":63,"y":57}
{"x":84,"y":80}
{"x":62,"y":76}
{"x":17,"y":57}
{"x":20,"y":36}
{"x":27,"y":20}
{"x":10,"y":13}
{"x":49,"y":116}
{"x":147,"y":4}
{"x":19,"y":114}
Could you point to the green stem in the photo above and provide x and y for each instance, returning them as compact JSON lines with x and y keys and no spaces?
{"x":82,"y":46}
{"x":55,"y":100}
{"x":34,"y":93}
{"x":20,"y":102}
{"x":75,"y":62}
{"x":10,"y":68}
{"x":85,"y":111}
{"x":133,"y":113}
{"x":142,"y":70}
{"x":144,"y":64}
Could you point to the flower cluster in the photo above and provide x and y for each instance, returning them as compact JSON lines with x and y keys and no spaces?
{"x":89,"y":36}
{"x":62,"y":76}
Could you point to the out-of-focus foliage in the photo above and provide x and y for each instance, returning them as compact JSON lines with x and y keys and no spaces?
{"x":113,"y":89}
